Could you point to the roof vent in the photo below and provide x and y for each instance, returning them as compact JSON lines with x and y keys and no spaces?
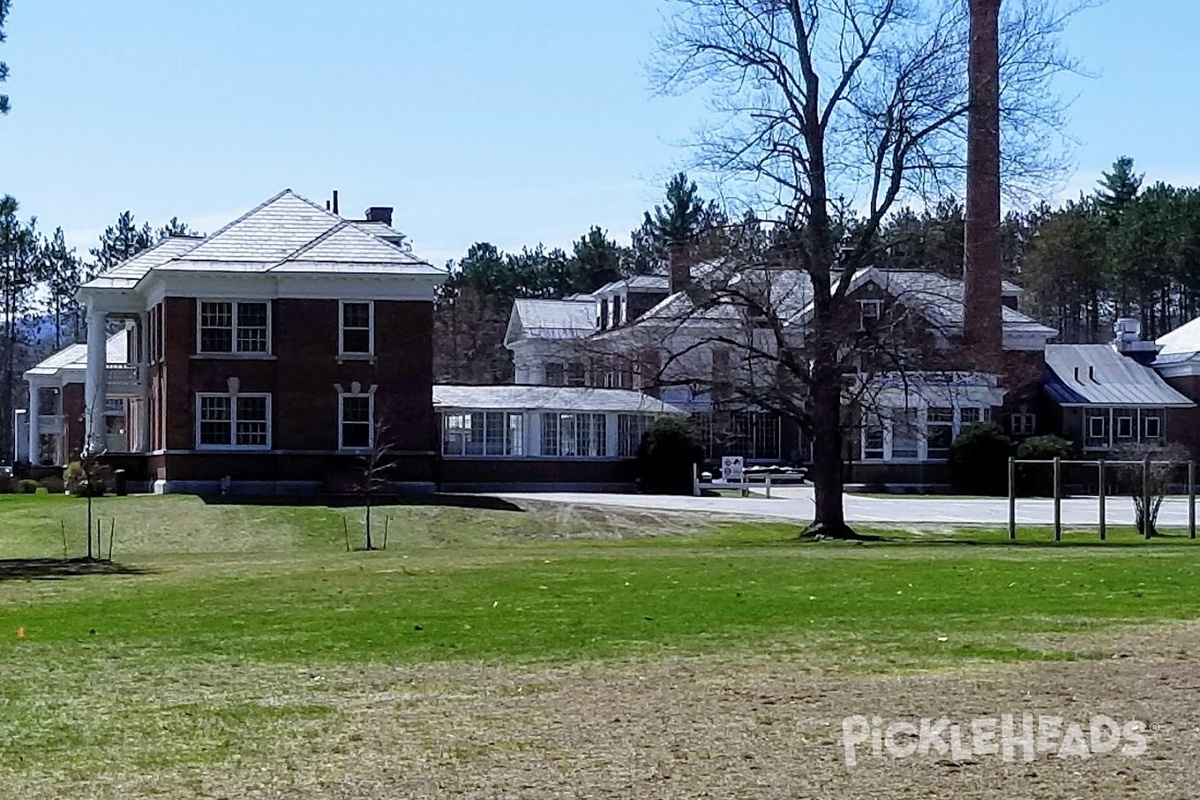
{"x":1092,"y":374}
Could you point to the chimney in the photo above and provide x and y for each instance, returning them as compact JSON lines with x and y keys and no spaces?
{"x":335,"y":201}
{"x":380,"y":214}
{"x":982,"y":328}
{"x":680,"y":259}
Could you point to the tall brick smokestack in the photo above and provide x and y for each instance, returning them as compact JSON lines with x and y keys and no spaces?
{"x":981,"y":266}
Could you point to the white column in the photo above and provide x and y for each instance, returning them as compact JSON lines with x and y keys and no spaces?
{"x":35,"y":421}
{"x":95,"y":389}
{"x":143,"y":429}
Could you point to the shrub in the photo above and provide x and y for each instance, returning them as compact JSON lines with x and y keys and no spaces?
{"x":23,"y":486}
{"x":53,"y":484}
{"x":979,"y":459}
{"x":666,"y":456}
{"x":80,"y":484}
{"x":1038,"y":479}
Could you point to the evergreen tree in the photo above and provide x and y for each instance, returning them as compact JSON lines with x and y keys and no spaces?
{"x":595,"y":261}
{"x":5,"y":5}
{"x":19,"y":256}
{"x":61,"y":273}
{"x":121,"y":242}
{"x":175,"y":228}
{"x":1118,"y":188}
{"x":684,"y":217}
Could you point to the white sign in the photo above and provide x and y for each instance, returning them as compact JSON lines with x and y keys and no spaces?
{"x":733,"y":468}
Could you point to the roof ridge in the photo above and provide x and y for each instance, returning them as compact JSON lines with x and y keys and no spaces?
{"x":311,"y":243}
{"x":251,"y":212}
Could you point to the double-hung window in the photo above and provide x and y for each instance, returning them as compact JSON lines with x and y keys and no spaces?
{"x":227,"y":326}
{"x":233,"y":421}
{"x":356,"y":429}
{"x":357,"y":328}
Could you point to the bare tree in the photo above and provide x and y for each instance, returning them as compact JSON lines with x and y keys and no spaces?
{"x":375,"y":477}
{"x":1149,"y":482}
{"x":828,"y":112}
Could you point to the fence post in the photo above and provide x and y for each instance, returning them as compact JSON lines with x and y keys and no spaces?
{"x":768,"y":486}
{"x":1012,"y":498}
{"x":1057,"y":499}
{"x":695,"y":480}
{"x":1192,"y":499}
{"x":1102,"y":499}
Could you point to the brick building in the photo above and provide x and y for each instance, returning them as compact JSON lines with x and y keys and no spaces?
{"x":272,"y":354}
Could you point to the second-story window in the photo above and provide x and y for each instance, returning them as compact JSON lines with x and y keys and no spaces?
{"x":234,"y":327}
{"x":357,"y":329}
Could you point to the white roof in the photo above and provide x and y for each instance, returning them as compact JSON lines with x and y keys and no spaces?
{"x":286,"y":234}
{"x":546,"y":398}
{"x":1096,"y":374}
{"x":1181,"y":344}
{"x":126,"y":274}
{"x":74,"y":357}
{"x":551,"y":319}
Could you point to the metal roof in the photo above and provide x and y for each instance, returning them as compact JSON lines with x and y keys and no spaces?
{"x":553,"y":319}
{"x":1096,"y":374}
{"x":547,"y":398}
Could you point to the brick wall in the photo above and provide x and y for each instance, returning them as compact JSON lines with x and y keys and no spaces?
{"x":302,"y":374}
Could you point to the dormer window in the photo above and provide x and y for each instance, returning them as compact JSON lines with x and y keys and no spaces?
{"x":869,"y":314}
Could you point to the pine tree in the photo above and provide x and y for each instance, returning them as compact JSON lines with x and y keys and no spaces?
{"x":18,"y":277}
{"x":1118,"y":188}
{"x":685,"y":217}
{"x":121,"y":242}
{"x":5,"y":5}
{"x":61,"y":273}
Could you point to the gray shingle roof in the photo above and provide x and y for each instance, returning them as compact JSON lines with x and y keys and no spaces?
{"x":546,"y":398}
{"x":1099,"y":375}
{"x":74,"y":357}
{"x":285,"y":234}
{"x":128,"y":273}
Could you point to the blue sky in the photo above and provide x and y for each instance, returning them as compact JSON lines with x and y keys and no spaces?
{"x":513,"y":122}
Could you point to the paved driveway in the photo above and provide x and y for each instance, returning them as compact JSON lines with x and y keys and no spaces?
{"x":796,"y":503}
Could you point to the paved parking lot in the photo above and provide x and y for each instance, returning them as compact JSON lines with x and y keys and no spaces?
{"x":796,"y":503}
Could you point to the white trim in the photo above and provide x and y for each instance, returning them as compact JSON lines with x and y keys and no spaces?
{"x":341,"y":419}
{"x":233,"y":352}
{"x":233,"y":421}
{"x":341,"y":330}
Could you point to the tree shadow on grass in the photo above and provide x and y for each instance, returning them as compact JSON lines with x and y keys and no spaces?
{"x":56,"y":569}
{"x":478,"y":502}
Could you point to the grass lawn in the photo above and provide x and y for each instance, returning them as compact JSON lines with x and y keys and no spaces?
{"x":211,"y":635}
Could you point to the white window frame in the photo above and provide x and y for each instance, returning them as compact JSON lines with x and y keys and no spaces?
{"x":1158,"y":425}
{"x":234,"y":352}
{"x":1129,"y":421}
{"x":512,"y":446}
{"x":233,"y":421}
{"x":342,"y":352}
{"x":593,"y":439}
{"x":341,"y":421}
{"x":875,"y":316}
